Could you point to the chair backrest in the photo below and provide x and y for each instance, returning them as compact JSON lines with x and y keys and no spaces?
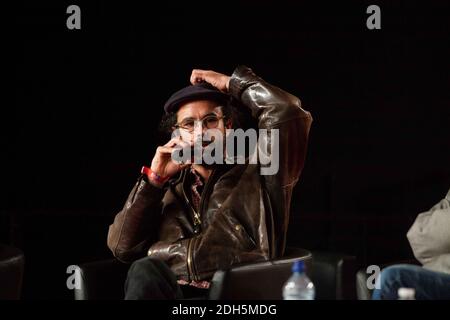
{"x":259,"y":280}
{"x":102,"y":280}
{"x":333,"y":275}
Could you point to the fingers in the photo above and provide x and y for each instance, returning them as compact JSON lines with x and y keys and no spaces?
{"x":195,"y":76}
{"x":173,"y":149}
{"x":218,"y":80}
{"x":172,"y":142}
{"x":169,"y":149}
{"x":199,"y":75}
{"x":165,"y":150}
{"x":176,"y":142}
{"x":183,"y":144}
{"x":183,"y":166}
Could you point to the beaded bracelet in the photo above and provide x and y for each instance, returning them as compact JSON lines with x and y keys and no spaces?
{"x":153,"y":175}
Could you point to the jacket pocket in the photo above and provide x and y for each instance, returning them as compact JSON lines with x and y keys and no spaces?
{"x":237,"y":231}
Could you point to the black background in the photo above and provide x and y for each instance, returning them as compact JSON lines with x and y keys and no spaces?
{"x":87,"y":104}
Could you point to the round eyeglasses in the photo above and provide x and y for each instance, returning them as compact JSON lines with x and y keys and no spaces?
{"x":208,"y":122}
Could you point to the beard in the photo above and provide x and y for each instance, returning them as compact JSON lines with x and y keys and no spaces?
{"x":201,"y":151}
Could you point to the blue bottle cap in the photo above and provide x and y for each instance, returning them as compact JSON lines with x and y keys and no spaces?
{"x":298,"y":266}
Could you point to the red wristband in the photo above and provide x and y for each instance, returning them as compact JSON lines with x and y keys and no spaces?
{"x":153,"y":175}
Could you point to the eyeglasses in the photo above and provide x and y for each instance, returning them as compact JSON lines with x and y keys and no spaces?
{"x":209,"y":122}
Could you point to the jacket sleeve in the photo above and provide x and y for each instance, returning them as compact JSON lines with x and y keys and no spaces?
{"x":135,"y":226}
{"x":278,"y":110}
{"x":429,"y":236}
{"x":281,"y":113}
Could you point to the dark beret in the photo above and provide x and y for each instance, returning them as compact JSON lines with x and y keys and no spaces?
{"x":200,"y":91}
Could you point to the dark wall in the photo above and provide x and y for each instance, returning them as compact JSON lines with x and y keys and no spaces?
{"x":87,"y":104}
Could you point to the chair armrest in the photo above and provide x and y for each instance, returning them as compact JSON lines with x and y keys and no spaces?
{"x":258,"y":280}
{"x":103,"y":279}
{"x":333,"y":275}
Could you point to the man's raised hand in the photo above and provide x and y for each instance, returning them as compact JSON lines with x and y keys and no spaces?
{"x":216,"y":79}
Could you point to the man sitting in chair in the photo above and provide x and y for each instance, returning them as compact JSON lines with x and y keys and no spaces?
{"x":185,"y":218}
{"x":429,"y":237}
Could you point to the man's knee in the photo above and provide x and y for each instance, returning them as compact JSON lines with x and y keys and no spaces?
{"x":143,"y":264}
{"x":398,"y":273}
{"x":150,"y":267}
{"x":394,"y":277}
{"x":390,"y":274}
{"x":151,"y":279}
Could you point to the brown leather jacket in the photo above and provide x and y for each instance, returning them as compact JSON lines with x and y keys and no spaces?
{"x":244,"y":215}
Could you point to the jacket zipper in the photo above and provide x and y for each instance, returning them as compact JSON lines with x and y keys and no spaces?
{"x":206,"y":191}
{"x":197,"y":221}
{"x":189,"y":260}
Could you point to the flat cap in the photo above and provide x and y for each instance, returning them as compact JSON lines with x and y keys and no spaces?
{"x":200,"y":91}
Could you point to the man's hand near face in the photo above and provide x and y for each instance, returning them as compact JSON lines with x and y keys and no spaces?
{"x":163,"y":164}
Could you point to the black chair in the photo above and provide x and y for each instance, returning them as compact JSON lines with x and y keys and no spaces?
{"x":257,"y":280}
{"x":102,"y":280}
{"x":332,"y":274}
{"x":11,"y":272}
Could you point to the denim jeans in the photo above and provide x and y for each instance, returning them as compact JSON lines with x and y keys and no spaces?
{"x":429,"y":285}
{"x":151,"y":279}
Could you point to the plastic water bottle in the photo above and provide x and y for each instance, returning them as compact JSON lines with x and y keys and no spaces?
{"x":406,"y":294}
{"x":298,"y":286}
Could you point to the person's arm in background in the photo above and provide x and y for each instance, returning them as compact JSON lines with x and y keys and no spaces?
{"x":429,"y":237}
